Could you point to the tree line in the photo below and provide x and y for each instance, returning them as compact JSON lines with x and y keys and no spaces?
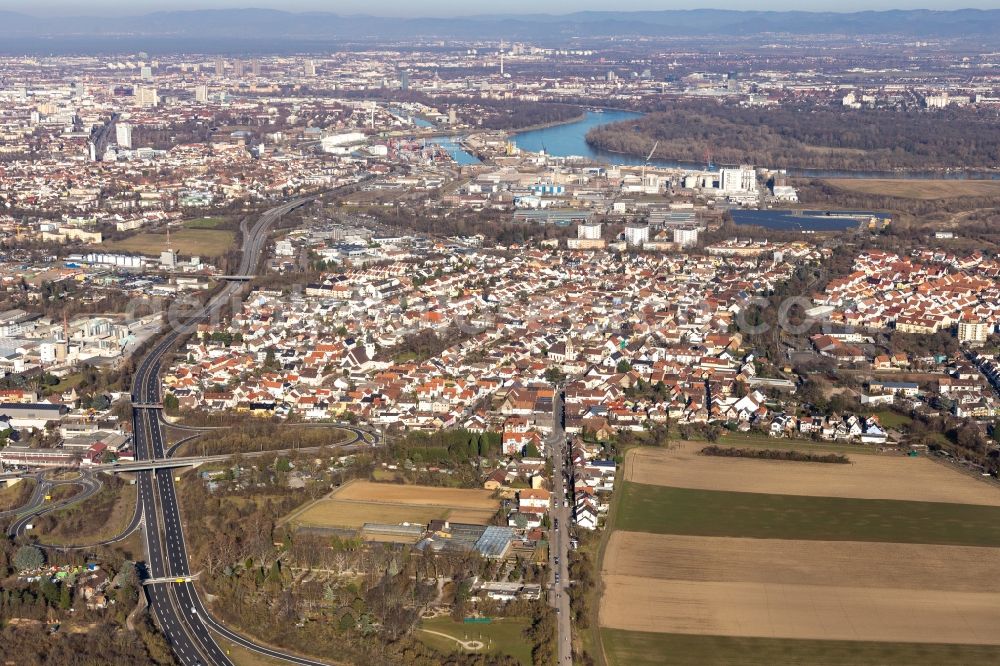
{"x":255,"y":435}
{"x":805,"y":136}
{"x":773,"y":454}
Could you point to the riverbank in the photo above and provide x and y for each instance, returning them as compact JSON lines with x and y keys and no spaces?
{"x":457,"y":143}
{"x":566,"y":139}
{"x":543,"y":126}
{"x":626,"y":146}
{"x":900,"y":173}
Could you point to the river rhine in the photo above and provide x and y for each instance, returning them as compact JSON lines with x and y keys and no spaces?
{"x":570,"y":140}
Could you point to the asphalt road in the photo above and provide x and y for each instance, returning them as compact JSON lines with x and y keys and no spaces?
{"x":166,"y":555}
{"x":176,"y":606}
{"x":36,"y":499}
{"x":558,"y":535}
{"x":37,"y":505}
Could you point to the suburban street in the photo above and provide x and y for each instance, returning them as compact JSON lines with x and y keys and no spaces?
{"x":558,"y":536}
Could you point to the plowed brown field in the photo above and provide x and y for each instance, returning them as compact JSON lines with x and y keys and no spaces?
{"x":780,"y":610}
{"x":781,"y":561}
{"x":865,"y":477}
{"x":395,"y":493}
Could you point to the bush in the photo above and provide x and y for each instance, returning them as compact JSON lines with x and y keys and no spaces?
{"x":28,"y":557}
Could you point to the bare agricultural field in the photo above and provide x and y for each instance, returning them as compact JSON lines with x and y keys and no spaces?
{"x":337,"y":513}
{"x":188,"y":242}
{"x":778,"y":610}
{"x":865,"y":477}
{"x":640,"y":648}
{"x":360,"y":502}
{"x":783,"y":561}
{"x":367,"y":491}
{"x":472,"y":516}
{"x":918,"y":189}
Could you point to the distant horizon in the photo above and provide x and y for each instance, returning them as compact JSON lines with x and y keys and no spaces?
{"x":449,"y":9}
{"x":237,"y":29}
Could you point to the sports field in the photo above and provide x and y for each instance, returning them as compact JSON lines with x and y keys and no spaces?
{"x":360,"y":502}
{"x":866,"y":477}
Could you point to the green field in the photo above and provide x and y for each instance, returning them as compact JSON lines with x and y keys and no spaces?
{"x":665,"y":510}
{"x":507,"y":635}
{"x":891,"y":419}
{"x":68,"y":382}
{"x":204,"y":223}
{"x":633,"y":648}
{"x":188,"y":242}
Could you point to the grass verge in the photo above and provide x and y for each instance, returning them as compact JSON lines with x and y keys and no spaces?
{"x":241,"y":656}
{"x":17,"y":495}
{"x":103,"y":516}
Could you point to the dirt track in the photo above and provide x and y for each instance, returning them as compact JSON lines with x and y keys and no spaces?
{"x":866,"y":477}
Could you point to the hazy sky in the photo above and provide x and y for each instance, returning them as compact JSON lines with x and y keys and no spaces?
{"x":469,"y":7}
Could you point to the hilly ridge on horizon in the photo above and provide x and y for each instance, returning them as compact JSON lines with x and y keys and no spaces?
{"x":258,"y":24}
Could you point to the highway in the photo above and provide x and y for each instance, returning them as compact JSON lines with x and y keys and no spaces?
{"x":558,"y":535}
{"x":178,"y":610}
{"x":176,"y":606}
{"x":36,"y":505}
